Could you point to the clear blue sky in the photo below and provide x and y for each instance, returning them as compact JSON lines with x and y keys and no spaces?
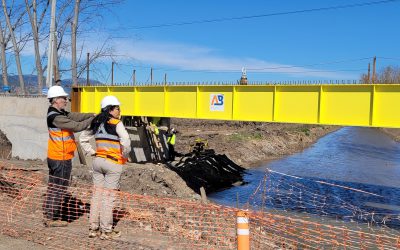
{"x":334,"y":44}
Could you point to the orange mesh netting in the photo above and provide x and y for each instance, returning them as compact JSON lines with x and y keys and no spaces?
{"x":164,"y":223}
{"x":315,"y":213}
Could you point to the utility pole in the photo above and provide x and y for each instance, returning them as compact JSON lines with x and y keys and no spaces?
{"x":87,"y":69}
{"x":56,"y":75}
{"x":112,"y":73}
{"x":50,"y":52}
{"x":165,"y":79}
{"x":151,"y":75}
{"x":374,"y":70}
{"x":369,"y":73}
{"x":134,"y":77}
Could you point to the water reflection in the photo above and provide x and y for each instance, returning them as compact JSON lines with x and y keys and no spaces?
{"x":352,"y":174}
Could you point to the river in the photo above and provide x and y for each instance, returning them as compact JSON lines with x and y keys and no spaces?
{"x":352,"y":174}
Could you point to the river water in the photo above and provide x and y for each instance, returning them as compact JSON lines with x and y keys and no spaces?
{"x":352,"y":173}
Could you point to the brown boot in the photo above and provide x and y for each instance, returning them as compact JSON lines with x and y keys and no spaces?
{"x":55,"y":223}
{"x":110,"y":235}
{"x":94,"y":233}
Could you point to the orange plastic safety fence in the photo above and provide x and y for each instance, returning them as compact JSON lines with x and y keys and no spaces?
{"x":164,"y":223}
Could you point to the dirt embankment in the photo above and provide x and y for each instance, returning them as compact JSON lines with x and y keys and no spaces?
{"x":392,"y":132}
{"x":5,"y":146}
{"x":247,"y":144}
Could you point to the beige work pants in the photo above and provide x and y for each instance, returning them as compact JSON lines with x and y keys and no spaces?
{"x":106,"y":180}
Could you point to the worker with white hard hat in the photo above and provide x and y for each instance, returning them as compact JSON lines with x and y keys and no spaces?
{"x":61,"y":147}
{"x":112,"y":149}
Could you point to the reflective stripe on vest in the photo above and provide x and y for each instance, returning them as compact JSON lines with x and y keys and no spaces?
{"x":108,"y":145}
{"x":61,"y":143}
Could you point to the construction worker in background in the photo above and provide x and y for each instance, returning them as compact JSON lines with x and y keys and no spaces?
{"x":61,"y":147}
{"x":112,"y":149}
{"x":171,"y":143}
{"x":153,"y":127}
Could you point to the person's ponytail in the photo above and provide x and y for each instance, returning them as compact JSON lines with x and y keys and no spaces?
{"x":101,"y":118}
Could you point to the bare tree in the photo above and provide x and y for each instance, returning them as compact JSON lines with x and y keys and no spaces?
{"x":103,"y":51}
{"x":32,"y":10}
{"x":364,"y":78}
{"x":11,"y":29}
{"x":3,"y":45}
{"x":74,"y":29}
{"x":74,"y":18}
{"x":387,"y":75}
{"x":84,"y":14}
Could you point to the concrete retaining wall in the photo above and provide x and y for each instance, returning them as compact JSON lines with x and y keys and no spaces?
{"x":23,"y":121}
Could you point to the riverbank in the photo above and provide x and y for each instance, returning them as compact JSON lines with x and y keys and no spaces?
{"x":394,"y":133}
{"x":248,"y":144}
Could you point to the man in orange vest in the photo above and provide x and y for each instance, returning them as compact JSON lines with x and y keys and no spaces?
{"x":61,"y":147}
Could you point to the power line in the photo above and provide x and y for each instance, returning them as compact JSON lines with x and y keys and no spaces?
{"x":389,"y":58}
{"x":337,"y":7}
{"x":255,"y":69}
{"x":270,"y":72}
{"x":311,"y":71}
{"x":314,"y":64}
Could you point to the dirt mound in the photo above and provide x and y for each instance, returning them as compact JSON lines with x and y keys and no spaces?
{"x":146,"y":179}
{"x":5,"y":146}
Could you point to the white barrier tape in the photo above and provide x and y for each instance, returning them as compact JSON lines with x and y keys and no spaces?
{"x":243,"y":231}
{"x":242,"y":220}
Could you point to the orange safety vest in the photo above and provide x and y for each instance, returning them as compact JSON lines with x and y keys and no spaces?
{"x":107,"y":142}
{"x":61,"y":143}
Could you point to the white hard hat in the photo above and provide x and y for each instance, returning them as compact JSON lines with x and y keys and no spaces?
{"x":56,"y":91}
{"x":109,"y":100}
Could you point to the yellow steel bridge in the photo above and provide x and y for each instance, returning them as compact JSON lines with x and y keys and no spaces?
{"x":371,"y":105}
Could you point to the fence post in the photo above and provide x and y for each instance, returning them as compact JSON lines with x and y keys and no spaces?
{"x":243,"y":232}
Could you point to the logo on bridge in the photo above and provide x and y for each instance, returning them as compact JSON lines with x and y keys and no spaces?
{"x":216,"y":102}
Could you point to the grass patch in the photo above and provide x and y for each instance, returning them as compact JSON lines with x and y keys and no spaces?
{"x":301,"y":129}
{"x":306,"y":131}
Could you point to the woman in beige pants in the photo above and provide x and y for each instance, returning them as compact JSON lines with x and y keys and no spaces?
{"x":112,"y":149}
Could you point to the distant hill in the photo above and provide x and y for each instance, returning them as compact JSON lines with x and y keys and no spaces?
{"x":31,"y":85}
